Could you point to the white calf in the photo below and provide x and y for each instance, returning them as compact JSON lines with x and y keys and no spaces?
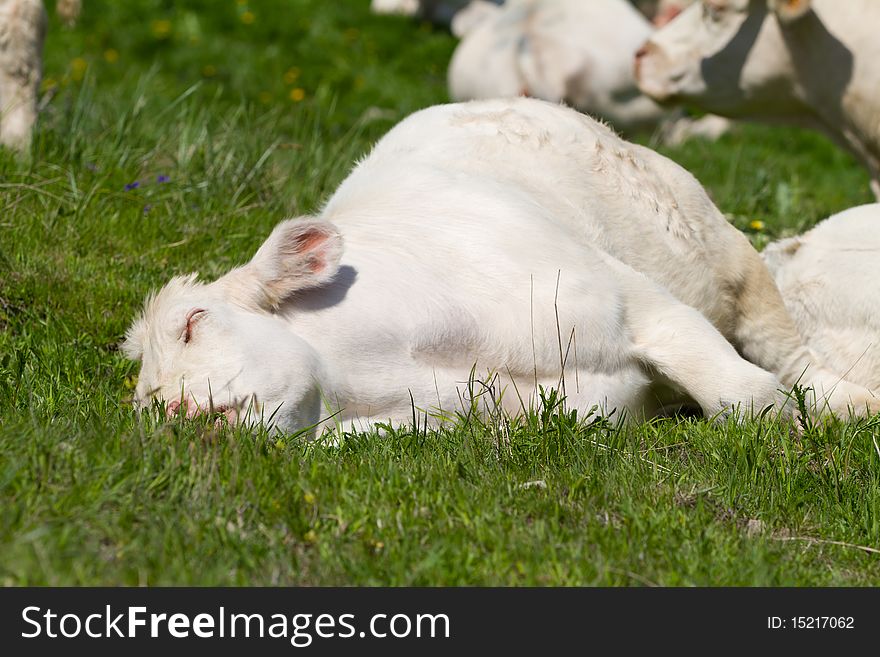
{"x":559,"y":50}
{"x":513,"y":238}
{"x":830,"y":281}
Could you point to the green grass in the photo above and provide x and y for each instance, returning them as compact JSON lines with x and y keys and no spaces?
{"x":92,"y":494}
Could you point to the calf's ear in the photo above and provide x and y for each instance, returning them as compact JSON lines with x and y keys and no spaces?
{"x":299,"y":254}
{"x":788,"y":11}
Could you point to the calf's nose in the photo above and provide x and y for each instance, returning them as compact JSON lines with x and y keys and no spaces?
{"x":666,"y":16}
{"x":641,"y":53}
{"x":190,"y":408}
{"x":171,"y":408}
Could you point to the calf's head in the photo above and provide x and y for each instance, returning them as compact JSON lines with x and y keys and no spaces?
{"x":724,"y":56}
{"x":223,"y":348}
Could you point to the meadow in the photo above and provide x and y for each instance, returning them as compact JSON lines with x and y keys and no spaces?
{"x":173,"y":136}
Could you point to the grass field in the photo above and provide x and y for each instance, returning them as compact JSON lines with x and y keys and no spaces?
{"x":174,"y":136}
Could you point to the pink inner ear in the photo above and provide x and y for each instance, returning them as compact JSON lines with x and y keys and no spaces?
{"x":309,"y":241}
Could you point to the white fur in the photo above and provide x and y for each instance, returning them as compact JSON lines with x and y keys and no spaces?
{"x":830,"y":281}
{"x":479,"y":237}
{"x":814,"y":63}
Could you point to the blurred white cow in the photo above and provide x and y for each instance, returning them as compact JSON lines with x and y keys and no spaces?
{"x":810,"y":62}
{"x":580,"y":53}
{"x":830,"y":281}
{"x":559,"y":50}
{"x":22,"y":31}
{"x":515,"y":239}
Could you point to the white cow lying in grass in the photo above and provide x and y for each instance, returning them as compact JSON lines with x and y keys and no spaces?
{"x":578,"y":52}
{"x":22,"y":30}
{"x":830,"y":280}
{"x":559,"y":50}
{"x":809,"y":62}
{"x":513,"y":237}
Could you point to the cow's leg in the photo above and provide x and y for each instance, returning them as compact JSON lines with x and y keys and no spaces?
{"x":18,"y":112}
{"x":875,"y":187}
{"x":21,"y":46}
{"x":681,"y":345}
{"x":766,"y":335}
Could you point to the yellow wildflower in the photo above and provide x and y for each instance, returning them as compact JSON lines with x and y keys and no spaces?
{"x":78,"y":68}
{"x":161,"y":28}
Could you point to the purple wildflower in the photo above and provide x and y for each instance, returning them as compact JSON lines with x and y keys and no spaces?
{"x":147,"y":208}
{"x":162,"y":178}
{"x":132,"y":185}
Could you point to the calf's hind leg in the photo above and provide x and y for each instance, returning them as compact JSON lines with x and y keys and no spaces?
{"x":680,"y":344}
